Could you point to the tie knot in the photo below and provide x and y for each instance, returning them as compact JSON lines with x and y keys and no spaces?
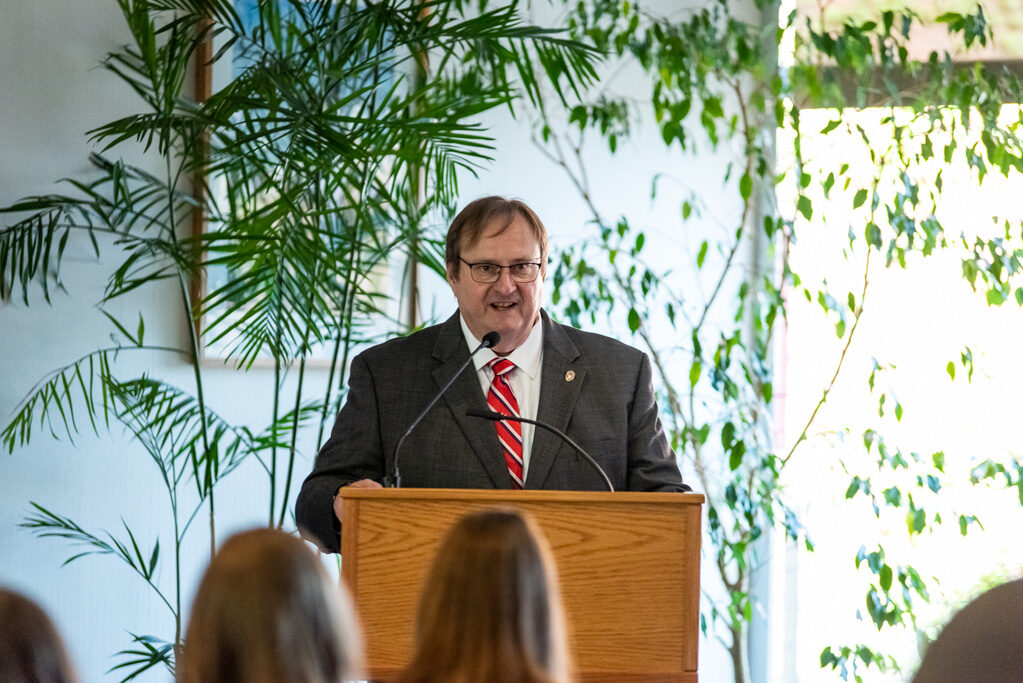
{"x":501,"y":366}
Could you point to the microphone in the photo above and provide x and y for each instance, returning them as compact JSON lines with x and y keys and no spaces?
{"x":490,"y":339}
{"x":497,"y":417}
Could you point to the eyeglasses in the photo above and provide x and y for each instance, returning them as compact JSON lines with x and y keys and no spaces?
{"x":488,"y":273}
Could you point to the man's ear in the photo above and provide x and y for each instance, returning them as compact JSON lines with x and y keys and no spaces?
{"x":452,"y":270}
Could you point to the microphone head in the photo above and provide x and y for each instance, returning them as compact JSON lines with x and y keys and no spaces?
{"x":491,"y":339}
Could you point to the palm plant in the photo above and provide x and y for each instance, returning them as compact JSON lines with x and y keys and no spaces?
{"x":321,"y":160}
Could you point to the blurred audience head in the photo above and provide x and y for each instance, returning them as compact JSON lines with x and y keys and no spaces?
{"x":983,"y":642}
{"x":266,"y":611}
{"x":31,"y":650}
{"x":490,"y":608}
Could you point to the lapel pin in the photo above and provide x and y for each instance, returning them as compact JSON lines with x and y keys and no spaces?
{"x":570,"y":375}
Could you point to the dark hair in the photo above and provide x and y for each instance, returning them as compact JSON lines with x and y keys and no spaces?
{"x":490,"y":609}
{"x":471,"y":221}
{"x":31,"y":650}
{"x":266,"y":611}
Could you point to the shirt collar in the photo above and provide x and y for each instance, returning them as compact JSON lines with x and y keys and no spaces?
{"x":526,"y":357}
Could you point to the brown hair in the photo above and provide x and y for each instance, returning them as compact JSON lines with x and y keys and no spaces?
{"x":266,"y":611}
{"x":490,"y":608}
{"x":471,"y":221}
{"x":31,"y":650}
{"x":982,"y":642}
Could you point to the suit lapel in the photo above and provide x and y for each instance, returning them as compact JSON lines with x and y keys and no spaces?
{"x":557,"y":399}
{"x":450,"y":352}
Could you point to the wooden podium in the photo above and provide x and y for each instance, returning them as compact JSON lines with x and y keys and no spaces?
{"x":628,"y":565}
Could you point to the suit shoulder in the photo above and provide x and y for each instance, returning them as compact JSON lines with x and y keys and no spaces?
{"x":594,"y":342}
{"x":409,"y":345}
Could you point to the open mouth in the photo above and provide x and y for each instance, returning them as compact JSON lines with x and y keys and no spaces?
{"x":503,"y":306}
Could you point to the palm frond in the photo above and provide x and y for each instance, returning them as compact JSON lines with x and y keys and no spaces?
{"x":277,"y":435}
{"x":180,"y":440}
{"x":32,"y":250}
{"x":123,"y":201}
{"x":88,"y":382}
{"x":51,"y":403}
{"x":221,"y":11}
{"x":46,"y":524}
{"x":148,"y":129}
{"x":151,"y":652}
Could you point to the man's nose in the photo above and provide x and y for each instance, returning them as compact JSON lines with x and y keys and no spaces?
{"x":505,"y":282}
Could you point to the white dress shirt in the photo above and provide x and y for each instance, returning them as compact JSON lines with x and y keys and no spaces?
{"x":524,"y":379}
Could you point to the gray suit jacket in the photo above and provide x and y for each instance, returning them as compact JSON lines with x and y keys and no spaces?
{"x":608,"y":408}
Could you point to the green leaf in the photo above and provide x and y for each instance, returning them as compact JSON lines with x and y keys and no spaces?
{"x":804,"y":206}
{"x":832,"y":125}
{"x":875,"y":560}
{"x":892,"y":496}
{"x":727,"y":435}
{"x":951,"y":370}
{"x":745,"y":186}
{"x":916,"y":520}
{"x":735,"y":457}
{"x":966,"y":520}
{"x":873,"y":235}
{"x":702,"y":433}
{"x":122,"y":328}
{"x":694,"y":373}
{"x":995,"y":297}
{"x":634,"y":320}
{"x":885,"y":578}
{"x":898,"y":411}
{"x":927,"y":149}
{"x":712,"y":106}
{"x":860,"y":198}
{"x":700,"y":257}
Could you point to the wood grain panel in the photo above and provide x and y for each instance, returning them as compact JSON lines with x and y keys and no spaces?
{"x":628,"y":565}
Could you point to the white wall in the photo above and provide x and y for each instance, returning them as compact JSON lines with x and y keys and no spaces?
{"x":52,"y":93}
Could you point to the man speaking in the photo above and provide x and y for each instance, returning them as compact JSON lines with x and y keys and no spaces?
{"x":595,"y":389}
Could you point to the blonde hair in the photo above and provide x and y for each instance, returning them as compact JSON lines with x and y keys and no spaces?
{"x":266,"y":611}
{"x":490,"y":608}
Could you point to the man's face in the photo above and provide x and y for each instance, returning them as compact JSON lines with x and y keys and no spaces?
{"x":509,"y":307}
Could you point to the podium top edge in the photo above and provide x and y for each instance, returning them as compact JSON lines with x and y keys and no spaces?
{"x":512,"y":496}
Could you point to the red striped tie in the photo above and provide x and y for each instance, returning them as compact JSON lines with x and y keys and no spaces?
{"x":501,"y":399}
